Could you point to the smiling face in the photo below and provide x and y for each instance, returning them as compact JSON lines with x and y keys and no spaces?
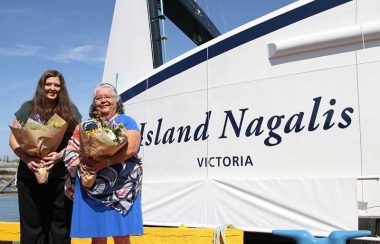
{"x":52,"y":88}
{"x":105,"y":102}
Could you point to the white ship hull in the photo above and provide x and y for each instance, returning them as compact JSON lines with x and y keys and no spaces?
{"x":267,"y":126}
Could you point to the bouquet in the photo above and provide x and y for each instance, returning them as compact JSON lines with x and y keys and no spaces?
{"x":38,"y":139}
{"x":99,"y":138}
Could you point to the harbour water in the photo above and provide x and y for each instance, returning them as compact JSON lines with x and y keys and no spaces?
{"x":9,"y":208}
{"x":8,"y":199}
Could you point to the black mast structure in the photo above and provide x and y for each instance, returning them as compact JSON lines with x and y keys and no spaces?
{"x":187,"y":15}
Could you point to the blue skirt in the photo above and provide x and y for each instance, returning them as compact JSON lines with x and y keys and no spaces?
{"x":93,"y":219}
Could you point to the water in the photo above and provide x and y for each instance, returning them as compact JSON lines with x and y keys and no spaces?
{"x":9,"y":208}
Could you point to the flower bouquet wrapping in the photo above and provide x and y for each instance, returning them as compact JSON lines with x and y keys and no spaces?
{"x":99,"y":138}
{"x":39,"y":139}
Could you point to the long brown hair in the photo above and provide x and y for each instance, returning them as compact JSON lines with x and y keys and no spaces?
{"x":62,"y":106}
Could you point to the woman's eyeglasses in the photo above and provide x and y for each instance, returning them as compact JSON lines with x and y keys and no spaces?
{"x":107,"y":98}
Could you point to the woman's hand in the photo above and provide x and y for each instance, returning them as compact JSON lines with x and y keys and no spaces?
{"x":86,"y":166}
{"x":100,"y":163}
{"x":34,"y":163}
{"x":51,"y":159}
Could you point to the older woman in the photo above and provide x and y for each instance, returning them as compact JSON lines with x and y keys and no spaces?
{"x":44,"y":212}
{"x":108,"y":209}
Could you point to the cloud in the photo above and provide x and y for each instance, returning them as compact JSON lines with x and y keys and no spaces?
{"x":20,"y":50}
{"x":13,"y":12}
{"x":85,"y":53}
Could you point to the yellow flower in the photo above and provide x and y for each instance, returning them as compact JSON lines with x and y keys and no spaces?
{"x":53,"y":124}
{"x":94,"y":131}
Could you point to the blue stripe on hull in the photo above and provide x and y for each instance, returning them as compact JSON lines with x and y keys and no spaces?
{"x":271,"y":25}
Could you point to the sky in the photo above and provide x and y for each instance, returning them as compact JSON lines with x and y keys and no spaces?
{"x":72,"y":36}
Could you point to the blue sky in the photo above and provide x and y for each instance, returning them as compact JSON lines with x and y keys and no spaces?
{"x":72,"y":36}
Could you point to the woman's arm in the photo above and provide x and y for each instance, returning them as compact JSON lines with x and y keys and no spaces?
{"x":71,"y":154}
{"x":129,"y":150}
{"x":32,"y":162}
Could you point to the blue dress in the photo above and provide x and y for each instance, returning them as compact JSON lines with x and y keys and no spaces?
{"x":92,"y":218}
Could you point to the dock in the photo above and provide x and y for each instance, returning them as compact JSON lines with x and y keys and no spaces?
{"x":8,"y":177}
{"x":10,"y":232}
